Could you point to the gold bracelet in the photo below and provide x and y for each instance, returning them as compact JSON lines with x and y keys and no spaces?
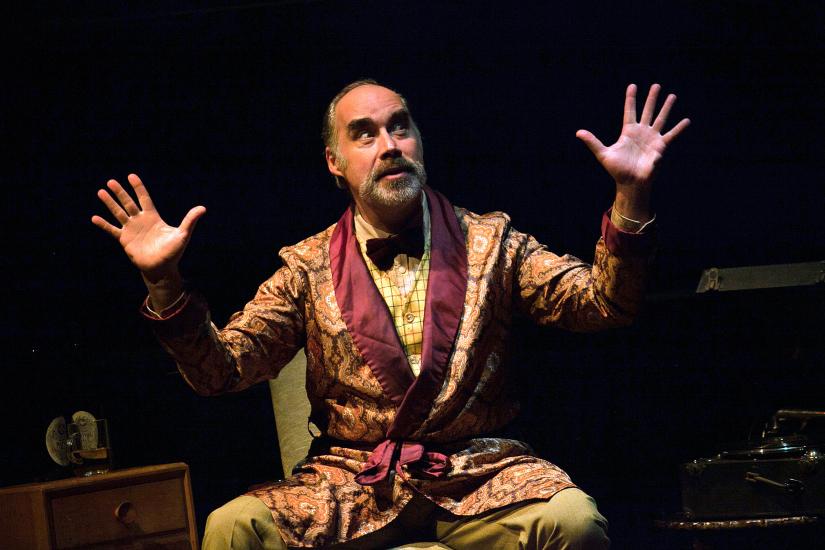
{"x":642,"y":225}
{"x":167,"y":308}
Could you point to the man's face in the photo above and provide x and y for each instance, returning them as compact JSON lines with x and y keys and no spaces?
{"x":378,"y":149}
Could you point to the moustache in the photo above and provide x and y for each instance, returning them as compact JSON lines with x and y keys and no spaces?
{"x":395,"y":166}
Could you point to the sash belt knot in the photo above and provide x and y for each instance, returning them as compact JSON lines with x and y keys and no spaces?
{"x":393,"y":454}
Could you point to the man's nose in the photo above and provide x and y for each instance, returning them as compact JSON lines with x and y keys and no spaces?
{"x":389,"y":147}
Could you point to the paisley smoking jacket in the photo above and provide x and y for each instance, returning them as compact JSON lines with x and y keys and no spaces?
{"x":387,"y":433}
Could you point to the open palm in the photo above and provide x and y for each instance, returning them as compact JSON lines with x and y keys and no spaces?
{"x":153,"y":246}
{"x":633,"y":159}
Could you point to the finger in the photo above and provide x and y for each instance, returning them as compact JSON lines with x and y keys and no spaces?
{"x":674,"y":133}
{"x":143,"y":197}
{"x":191,"y":219}
{"x":630,"y":105}
{"x":592,"y":142}
{"x":106,"y":226}
{"x":116,"y":210}
{"x":661,"y":119}
{"x":124,"y":198}
{"x":650,"y":104}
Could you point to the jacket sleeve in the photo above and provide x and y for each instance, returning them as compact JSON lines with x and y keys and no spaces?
{"x":566,"y":292}
{"x":254,"y":345}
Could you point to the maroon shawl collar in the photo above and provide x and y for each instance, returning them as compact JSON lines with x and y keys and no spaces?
{"x":371,"y":326}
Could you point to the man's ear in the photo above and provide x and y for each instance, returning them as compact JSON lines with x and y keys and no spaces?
{"x":332,"y":165}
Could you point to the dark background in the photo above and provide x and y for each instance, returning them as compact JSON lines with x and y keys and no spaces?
{"x":220,"y":103}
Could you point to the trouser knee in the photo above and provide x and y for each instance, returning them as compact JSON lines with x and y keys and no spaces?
{"x":571,"y":521}
{"x":244,"y":522}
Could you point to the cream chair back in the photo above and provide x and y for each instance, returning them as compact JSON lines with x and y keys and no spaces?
{"x":291,"y":407}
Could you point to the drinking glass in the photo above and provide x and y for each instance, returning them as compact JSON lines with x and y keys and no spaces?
{"x":89,"y":448}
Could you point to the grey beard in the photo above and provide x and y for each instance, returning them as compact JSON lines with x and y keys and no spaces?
{"x":394,"y":193}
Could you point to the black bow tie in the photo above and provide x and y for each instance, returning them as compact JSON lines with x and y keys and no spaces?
{"x":383,"y":251}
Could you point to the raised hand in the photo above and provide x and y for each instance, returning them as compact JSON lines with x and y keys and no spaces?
{"x":153,"y":246}
{"x":633,"y":160}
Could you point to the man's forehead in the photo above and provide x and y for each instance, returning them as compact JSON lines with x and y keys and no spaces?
{"x":368,"y":101}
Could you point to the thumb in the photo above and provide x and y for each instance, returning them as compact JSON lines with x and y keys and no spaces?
{"x":591,"y":141}
{"x":191,"y":219}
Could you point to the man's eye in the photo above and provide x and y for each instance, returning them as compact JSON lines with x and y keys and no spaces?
{"x":364,"y":135}
{"x":399,"y":128}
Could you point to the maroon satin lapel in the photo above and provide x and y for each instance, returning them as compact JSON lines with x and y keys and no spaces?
{"x":366,"y":314}
{"x":446,"y":289}
{"x":371,"y":326}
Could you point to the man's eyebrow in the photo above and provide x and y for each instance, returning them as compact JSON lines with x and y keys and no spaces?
{"x":401,"y":115}
{"x":359,"y":124}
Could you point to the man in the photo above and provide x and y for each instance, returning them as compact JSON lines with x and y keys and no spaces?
{"x":403,"y":307}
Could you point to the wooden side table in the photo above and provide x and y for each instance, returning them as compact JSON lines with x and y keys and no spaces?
{"x":136,"y":508}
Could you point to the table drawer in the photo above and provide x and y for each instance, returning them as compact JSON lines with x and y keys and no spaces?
{"x":89,"y":517}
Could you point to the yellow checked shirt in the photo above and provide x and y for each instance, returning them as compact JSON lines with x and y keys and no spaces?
{"x":403,"y":286}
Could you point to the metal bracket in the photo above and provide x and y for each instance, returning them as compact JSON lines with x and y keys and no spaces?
{"x":761,"y":276}
{"x":792,"y":486}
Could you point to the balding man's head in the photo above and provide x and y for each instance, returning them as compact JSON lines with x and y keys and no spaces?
{"x":329,"y":129}
{"x":373,"y":147}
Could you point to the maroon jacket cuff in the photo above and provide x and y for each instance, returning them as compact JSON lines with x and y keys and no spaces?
{"x":622,"y":243}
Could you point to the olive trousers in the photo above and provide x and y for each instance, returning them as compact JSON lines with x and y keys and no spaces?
{"x":568,"y":521}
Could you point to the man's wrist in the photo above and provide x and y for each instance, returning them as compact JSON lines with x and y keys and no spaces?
{"x":628,"y":224}
{"x":164,"y":292}
{"x":161,"y":313}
